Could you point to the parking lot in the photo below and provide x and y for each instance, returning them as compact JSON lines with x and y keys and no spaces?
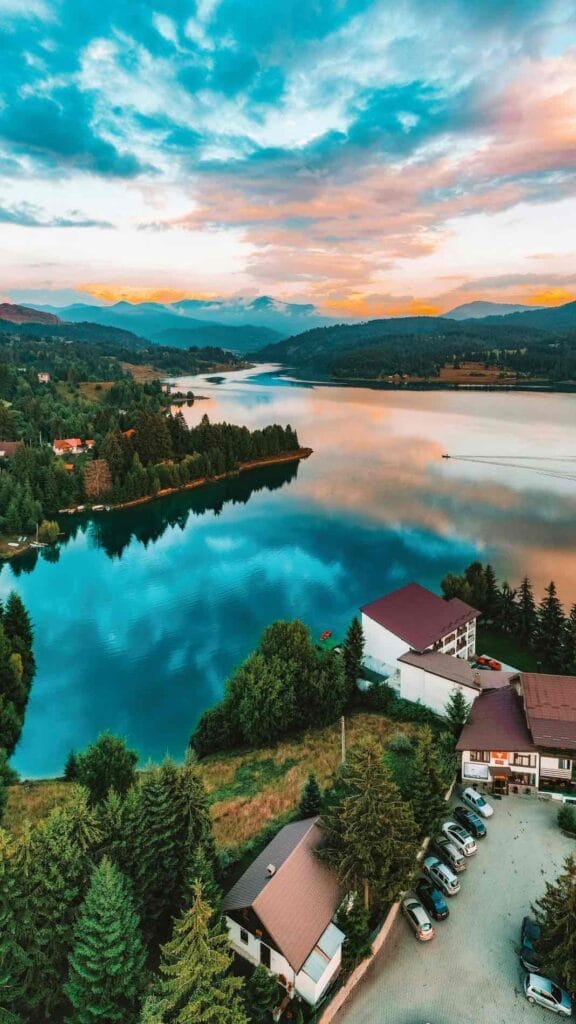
{"x":470,"y":972}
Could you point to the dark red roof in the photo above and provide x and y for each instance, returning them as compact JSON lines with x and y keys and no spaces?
{"x":418,"y":616}
{"x":550,"y":704}
{"x":496,"y":722}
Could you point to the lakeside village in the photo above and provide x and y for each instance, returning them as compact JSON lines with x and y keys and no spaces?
{"x":286,"y":928}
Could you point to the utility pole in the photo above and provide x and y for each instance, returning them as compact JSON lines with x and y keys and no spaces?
{"x":343,"y":736}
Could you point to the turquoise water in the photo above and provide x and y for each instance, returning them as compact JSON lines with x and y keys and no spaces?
{"x":141,"y":615}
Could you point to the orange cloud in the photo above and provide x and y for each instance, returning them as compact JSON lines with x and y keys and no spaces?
{"x":118,"y":293}
{"x":551,"y":297}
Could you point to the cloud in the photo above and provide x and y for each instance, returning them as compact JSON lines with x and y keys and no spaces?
{"x":30,"y":216}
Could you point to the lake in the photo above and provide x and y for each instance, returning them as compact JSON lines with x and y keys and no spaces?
{"x":141,"y":615}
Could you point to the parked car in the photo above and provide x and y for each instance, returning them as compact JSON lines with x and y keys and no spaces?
{"x":473,"y":799}
{"x":460,"y":837}
{"x":470,"y":821}
{"x":432,"y":899}
{"x":529,"y":935}
{"x":442,"y":875}
{"x":417,"y":918}
{"x":449,"y":853}
{"x":546,"y":993}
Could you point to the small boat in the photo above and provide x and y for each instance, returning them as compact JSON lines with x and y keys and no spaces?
{"x":97,"y":508}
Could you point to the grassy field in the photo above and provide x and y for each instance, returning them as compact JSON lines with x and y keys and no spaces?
{"x":246,"y":790}
{"x":504,"y":648}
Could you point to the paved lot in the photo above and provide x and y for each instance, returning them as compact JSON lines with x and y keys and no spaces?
{"x":470,"y":973}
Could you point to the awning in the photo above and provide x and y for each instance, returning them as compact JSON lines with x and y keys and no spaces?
{"x":499,"y":771}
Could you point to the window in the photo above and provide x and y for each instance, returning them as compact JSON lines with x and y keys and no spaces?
{"x":525,"y":760}
{"x":479,"y":755}
{"x":244,"y":936}
{"x":564,"y":763}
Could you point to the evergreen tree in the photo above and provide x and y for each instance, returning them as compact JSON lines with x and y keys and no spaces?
{"x":71,"y":767}
{"x":353,"y":919}
{"x":106,"y":974}
{"x":556,"y":915}
{"x":12,"y":955}
{"x":474,"y":576}
{"x":106,"y":764}
{"x":507,"y":609}
{"x":571,"y":641}
{"x":16,"y":620}
{"x":457,"y":712}
{"x":370,"y":833}
{"x":353,"y":654}
{"x":427,"y":783}
{"x":550,"y":641}
{"x":261,"y":995}
{"x":490,"y":609}
{"x":195,"y":985}
{"x":311,"y":798}
{"x":527,"y":616}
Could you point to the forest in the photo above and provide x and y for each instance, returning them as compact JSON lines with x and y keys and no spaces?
{"x":139,"y":449}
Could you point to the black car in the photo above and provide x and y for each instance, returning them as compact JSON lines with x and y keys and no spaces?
{"x":471,"y":821}
{"x":529,"y":935}
{"x":432,"y":899}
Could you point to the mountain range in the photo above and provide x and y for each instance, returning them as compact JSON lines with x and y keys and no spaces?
{"x":479,"y":309}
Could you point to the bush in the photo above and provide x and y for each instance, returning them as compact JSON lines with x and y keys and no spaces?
{"x":48,"y":531}
{"x":567,"y":819}
{"x":106,"y":764}
{"x":410,"y":711}
{"x":378,"y":697}
{"x":400,"y":744}
{"x":215,"y":731}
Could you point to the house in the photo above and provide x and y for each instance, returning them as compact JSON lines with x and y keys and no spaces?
{"x":432,"y":677}
{"x":522,"y":737}
{"x":8,"y":449}
{"x":280,"y":913}
{"x":71,"y":446}
{"x":415,"y":619}
{"x":43,"y":378}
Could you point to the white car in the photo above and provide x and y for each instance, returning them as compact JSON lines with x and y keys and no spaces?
{"x":477,"y":803}
{"x":546,"y":993}
{"x":442,"y":875}
{"x":460,"y":838}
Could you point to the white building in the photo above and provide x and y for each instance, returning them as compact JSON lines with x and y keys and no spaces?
{"x":280,"y":913}
{"x":414,"y":619}
{"x":431,"y":678}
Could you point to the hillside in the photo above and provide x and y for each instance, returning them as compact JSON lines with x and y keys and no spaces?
{"x":237,"y":339}
{"x":475,"y":310}
{"x":23,"y":315}
{"x":552,"y":318}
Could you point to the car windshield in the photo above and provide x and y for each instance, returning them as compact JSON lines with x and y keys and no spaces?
{"x":426,"y":927}
{"x":556,"y":993}
{"x":479,"y":800}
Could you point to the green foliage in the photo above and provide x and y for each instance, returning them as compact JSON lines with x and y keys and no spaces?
{"x":427,"y":783}
{"x":311,"y":798}
{"x":457,"y":712}
{"x":370,"y":833}
{"x":284,"y":686}
{"x":261,"y":996}
{"x":48,"y":531}
{"x":106,"y":764}
{"x":400,"y":743}
{"x":566,"y":819}
{"x":195,"y":984}
{"x":353,"y":919}
{"x":17,"y":668}
{"x":71,"y":767}
{"x":551,"y":636}
{"x":353,"y":654}
{"x":556,"y":915}
{"x":106,"y":976}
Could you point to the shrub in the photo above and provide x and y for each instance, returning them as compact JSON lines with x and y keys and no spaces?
{"x":566,"y":819}
{"x":215,"y":731}
{"x":400,"y":743}
{"x":378,"y":697}
{"x":48,"y":531}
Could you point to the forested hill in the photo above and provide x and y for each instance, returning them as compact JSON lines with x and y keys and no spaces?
{"x":422,"y":346}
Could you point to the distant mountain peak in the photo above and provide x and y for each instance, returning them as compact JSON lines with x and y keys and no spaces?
{"x":479,"y":308}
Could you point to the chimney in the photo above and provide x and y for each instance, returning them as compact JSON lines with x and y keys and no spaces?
{"x":271,"y":870}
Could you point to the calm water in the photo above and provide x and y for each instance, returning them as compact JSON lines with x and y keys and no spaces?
{"x":141,"y":615}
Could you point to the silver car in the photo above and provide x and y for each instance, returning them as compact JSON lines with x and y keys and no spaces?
{"x":418,"y":919}
{"x":449,"y":853}
{"x":442,"y":875}
{"x":546,"y":993}
{"x":476,"y":802}
{"x":460,"y":837}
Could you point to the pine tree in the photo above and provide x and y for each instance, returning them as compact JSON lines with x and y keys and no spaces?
{"x":71,"y":767}
{"x":262,"y":995}
{"x":490,"y":609}
{"x":571,"y":641}
{"x":527,"y":616}
{"x":353,"y":919}
{"x":12,"y":955}
{"x":551,"y":633}
{"x":353,"y":655}
{"x":16,"y":620}
{"x":106,"y":976}
{"x":427,"y":783}
{"x":370,"y":833}
{"x":556,"y":915}
{"x":311,"y":798}
{"x":195,"y":985}
{"x":457,"y":712}
{"x":507,"y":613}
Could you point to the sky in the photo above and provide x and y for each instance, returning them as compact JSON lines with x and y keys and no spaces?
{"x":368,"y":156}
